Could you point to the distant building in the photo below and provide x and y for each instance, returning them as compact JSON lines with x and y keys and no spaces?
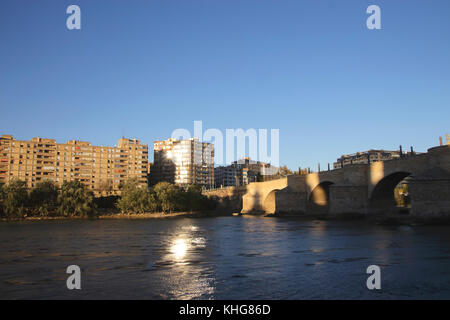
{"x":101,"y":169}
{"x":243,"y":172}
{"x":366,"y":156}
{"x":183,"y":162}
{"x":226,"y":176}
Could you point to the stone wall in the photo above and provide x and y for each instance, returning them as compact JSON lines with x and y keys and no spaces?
{"x":290,"y":202}
{"x":254,"y":199}
{"x":348,"y":199}
{"x":430,"y":198}
{"x":229,"y":199}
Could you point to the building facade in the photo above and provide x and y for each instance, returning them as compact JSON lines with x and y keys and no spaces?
{"x":226,"y":176}
{"x":101,"y":169}
{"x":183,"y":162}
{"x":243,"y":172}
{"x":369,"y":156}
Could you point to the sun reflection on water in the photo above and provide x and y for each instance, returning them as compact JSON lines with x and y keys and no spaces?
{"x":179,"y":248}
{"x":190,"y":276}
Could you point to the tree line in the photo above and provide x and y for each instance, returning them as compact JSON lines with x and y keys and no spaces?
{"x":73,"y":199}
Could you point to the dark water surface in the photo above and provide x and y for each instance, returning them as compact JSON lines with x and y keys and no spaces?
{"x":222,"y":258}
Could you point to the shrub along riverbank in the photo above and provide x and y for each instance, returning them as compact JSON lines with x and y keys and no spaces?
{"x":73,"y":199}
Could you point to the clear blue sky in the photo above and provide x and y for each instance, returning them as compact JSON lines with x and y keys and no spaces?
{"x":309,"y":68}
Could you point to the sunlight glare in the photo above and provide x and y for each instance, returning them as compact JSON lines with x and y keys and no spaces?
{"x":179,"y":248}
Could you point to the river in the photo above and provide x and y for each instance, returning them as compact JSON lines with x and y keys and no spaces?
{"x":222,"y":258}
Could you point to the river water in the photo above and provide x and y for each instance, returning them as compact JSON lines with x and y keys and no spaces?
{"x":222,"y":258}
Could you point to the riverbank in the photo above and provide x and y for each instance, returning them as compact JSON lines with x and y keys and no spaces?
{"x":159,"y":215}
{"x":124,"y":216}
{"x":394,"y":220}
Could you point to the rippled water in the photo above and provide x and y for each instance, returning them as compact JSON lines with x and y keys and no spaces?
{"x":222,"y":258}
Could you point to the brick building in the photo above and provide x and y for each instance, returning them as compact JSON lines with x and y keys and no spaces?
{"x":101,"y":169}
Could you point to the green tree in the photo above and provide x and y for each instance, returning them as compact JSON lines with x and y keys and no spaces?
{"x":75,"y":200}
{"x":136,"y":197}
{"x":43,"y":197}
{"x":14,"y":199}
{"x":106,"y":202}
{"x":193,"y":198}
{"x":284,"y":171}
{"x":169,"y":197}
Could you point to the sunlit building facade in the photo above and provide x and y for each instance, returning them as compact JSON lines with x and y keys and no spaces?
{"x":101,"y":169}
{"x":183,"y":162}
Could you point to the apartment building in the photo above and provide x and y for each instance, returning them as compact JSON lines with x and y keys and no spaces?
{"x":226,"y":176}
{"x":372,"y":155}
{"x":183,"y":162}
{"x":101,"y":169}
{"x":243,"y":172}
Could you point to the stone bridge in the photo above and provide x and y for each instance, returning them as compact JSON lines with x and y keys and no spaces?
{"x":359,"y":188}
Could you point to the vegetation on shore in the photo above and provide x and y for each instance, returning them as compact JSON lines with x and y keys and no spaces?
{"x":73,"y":199}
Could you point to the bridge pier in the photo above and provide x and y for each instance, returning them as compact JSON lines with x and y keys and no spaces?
{"x":261,"y":197}
{"x":348,"y":199}
{"x":288,"y":201}
{"x":430,"y":194}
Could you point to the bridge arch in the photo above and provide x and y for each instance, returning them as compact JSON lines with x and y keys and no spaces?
{"x":382,"y":199}
{"x":269,"y":204}
{"x":257,"y":195}
{"x":319,"y":198}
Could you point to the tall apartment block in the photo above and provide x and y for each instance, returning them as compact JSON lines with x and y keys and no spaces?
{"x":101,"y":169}
{"x":183,"y":162}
